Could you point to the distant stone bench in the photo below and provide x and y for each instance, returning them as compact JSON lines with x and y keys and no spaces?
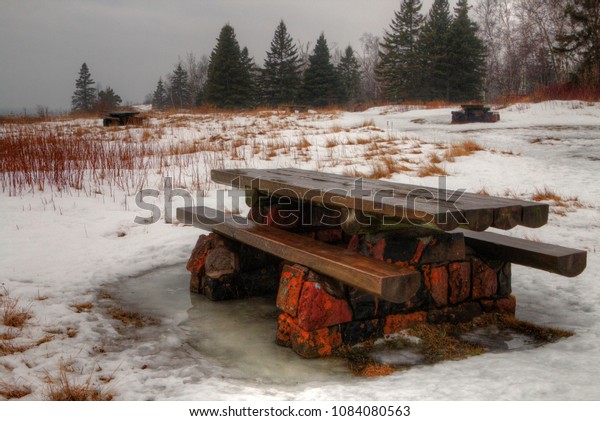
{"x":122,"y":118}
{"x":474,"y":113}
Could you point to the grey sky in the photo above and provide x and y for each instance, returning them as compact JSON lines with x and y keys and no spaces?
{"x":129,"y":44}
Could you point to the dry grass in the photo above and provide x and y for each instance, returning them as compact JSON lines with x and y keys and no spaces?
{"x":546,"y":195}
{"x":12,"y":314}
{"x":83,"y":307}
{"x":560,"y":204}
{"x":131,"y":318}
{"x":9,"y":347}
{"x":439,"y":344}
{"x":13,"y":391}
{"x":430,"y":170}
{"x":65,"y":387}
{"x":465,"y":148}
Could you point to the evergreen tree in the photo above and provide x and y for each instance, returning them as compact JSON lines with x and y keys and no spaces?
{"x":584,"y":39}
{"x":400,"y":67}
{"x":320,"y":82}
{"x":107,"y":99}
{"x":434,"y":51}
{"x":252,"y":74}
{"x":466,"y":56}
{"x":229,"y":78}
{"x":348,"y":70}
{"x":160,"y":99}
{"x":180,"y":90}
{"x":281,"y":75}
{"x":84,"y":97}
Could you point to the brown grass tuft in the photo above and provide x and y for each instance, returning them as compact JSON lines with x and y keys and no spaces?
{"x":83,"y":307}
{"x":12,"y":314}
{"x":375,"y":370}
{"x":13,"y":391}
{"x":466,"y":148}
{"x":430,"y":170}
{"x":9,"y":348}
{"x":131,"y":318}
{"x":64,"y":388}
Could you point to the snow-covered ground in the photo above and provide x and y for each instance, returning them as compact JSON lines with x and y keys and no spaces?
{"x":60,"y":250}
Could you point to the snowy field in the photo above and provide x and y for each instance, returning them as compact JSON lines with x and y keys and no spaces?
{"x":70,"y":257}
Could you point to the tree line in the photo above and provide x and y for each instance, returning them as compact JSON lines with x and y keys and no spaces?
{"x":509,"y":47}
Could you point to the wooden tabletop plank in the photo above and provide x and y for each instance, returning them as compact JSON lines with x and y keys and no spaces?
{"x":392,"y":283}
{"x":341,"y":196}
{"x":388,"y":199}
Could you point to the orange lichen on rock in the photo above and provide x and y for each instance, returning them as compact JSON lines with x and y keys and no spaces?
{"x":459,"y":281}
{"x":502,"y":305}
{"x":485,"y":280}
{"x":198,"y":258}
{"x":436,"y":281}
{"x":290,"y":286}
{"x":284,"y":329}
{"x":318,"y":309}
{"x":397,"y":322}
{"x":318,"y":343}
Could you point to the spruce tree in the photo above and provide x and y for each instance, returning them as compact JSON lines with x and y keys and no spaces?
{"x":84,"y":97}
{"x":320,"y":82}
{"x":400,"y":67}
{"x":160,"y":99}
{"x":466,"y":56}
{"x":229,"y":78}
{"x":348,"y":70}
{"x":108,"y":99}
{"x":281,"y":75}
{"x":434,"y":51}
{"x":180,"y":90}
{"x":584,"y":40}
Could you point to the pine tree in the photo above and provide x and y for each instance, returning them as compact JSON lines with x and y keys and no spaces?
{"x":281,"y":75}
{"x":400,"y":68}
{"x":584,"y":40}
{"x":180,"y":90}
{"x":84,"y":97}
{"x":229,"y":78}
{"x":466,"y":57}
{"x":251,"y":74}
{"x":433,"y":51}
{"x":348,"y":70}
{"x":160,"y":99}
{"x":108,"y":99}
{"x":320,"y":82}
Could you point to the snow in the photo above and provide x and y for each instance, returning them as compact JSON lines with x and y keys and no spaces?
{"x":64,"y":248}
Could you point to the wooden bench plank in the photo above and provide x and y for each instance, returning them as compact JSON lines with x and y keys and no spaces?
{"x":392,"y":283}
{"x":548,"y":257}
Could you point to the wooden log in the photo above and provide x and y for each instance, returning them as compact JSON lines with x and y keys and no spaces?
{"x":392,"y":283}
{"x":548,"y":257}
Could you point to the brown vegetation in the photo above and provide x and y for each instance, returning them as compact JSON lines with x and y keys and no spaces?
{"x":64,"y":387}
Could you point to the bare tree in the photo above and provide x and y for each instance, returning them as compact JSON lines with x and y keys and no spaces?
{"x":368,"y":58}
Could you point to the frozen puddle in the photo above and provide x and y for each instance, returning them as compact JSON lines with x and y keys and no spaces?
{"x":497,"y":340}
{"x":237,"y":336}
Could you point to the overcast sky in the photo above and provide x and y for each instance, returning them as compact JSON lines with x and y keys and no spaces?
{"x":129,"y":44}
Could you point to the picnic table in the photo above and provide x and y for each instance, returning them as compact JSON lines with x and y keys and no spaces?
{"x":425,"y":251}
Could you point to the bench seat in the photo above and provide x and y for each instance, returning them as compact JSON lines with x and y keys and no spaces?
{"x":548,"y":257}
{"x":384,"y":280}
